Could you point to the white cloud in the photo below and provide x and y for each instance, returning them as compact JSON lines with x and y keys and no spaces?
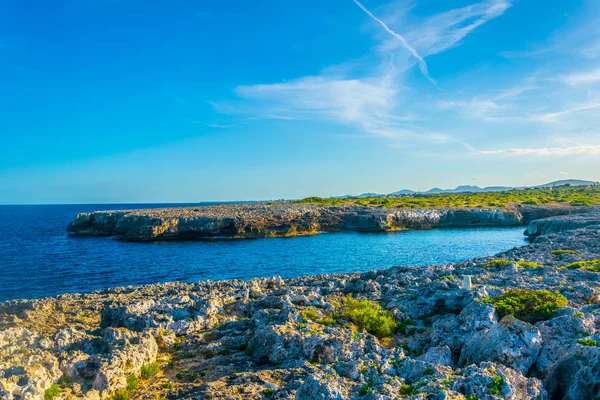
{"x":552,"y":117}
{"x":546,"y":151}
{"x":563,"y":173}
{"x":403,"y":42}
{"x":446,"y":30}
{"x":582,"y":78}
{"x":374,"y":100}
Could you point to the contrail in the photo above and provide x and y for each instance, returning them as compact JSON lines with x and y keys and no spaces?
{"x":420,"y":61}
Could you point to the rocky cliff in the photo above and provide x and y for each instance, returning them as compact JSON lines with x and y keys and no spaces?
{"x":255,"y":220}
{"x":406,"y":332}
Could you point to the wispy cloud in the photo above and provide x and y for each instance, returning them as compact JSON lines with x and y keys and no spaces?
{"x":552,"y":117}
{"x":546,"y":151}
{"x":403,"y":42}
{"x":497,"y":107}
{"x":581,"y":78}
{"x":446,"y":30}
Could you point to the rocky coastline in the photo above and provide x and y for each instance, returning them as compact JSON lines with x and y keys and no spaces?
{"x":403,"y":332}
{"x":282,"y":219}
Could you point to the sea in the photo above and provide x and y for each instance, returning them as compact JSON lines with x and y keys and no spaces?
{"x":39,"y":259}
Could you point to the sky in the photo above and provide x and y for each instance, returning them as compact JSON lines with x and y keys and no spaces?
{"x":112,"y":101}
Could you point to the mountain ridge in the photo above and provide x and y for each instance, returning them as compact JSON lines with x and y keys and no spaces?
{"x":474,"y":189}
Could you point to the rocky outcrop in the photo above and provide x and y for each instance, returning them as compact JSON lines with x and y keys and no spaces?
{"x":275,"y":339}
{"x":550,"y":225}
{"x":257,"y":220}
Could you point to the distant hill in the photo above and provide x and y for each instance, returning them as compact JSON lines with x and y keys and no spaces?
{"x":572,"y":182}
{"x":475,"y":189}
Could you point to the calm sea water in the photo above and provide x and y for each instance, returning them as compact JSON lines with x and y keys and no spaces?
{"x":38,"y":259}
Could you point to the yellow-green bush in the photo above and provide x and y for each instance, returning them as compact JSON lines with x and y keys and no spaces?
{"x":528,"y":305}
{"x":369,"y":316}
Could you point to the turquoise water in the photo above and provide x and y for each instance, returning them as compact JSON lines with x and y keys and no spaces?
{"x":38,"y":259}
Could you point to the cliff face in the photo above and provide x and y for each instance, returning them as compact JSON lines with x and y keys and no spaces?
{"x":257,"y":220}
{"x":557,"y":224}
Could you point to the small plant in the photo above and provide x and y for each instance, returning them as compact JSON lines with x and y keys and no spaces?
{"x":268,"y":392}
{"x":496,"y":386}
{"x":369,"y":316}
{"x":528,"y":305}
{"x":407,"y":390}
{"x":429,"y":371}
{"x":149,"y":370}
{"x":52,"y":392}
{"x":167,"y":385}
{"x":472,"y":397}
{"x":328,"y":321}
{"x":590,"y":265}
{"x":121,"y":396}
{"x":528,"y":264}
{"x":132,"y":382}
{"x":404,"y":326}
{"x":562,"y":251}
{"x":588,"y":342}
{"x":498,"y":263}
{"x":364,"y":389}
{"x":309,"y":314}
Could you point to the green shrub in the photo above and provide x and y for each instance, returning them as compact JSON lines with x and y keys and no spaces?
{"x":309,"y":314}
{"x":121,"y":396}
{"x":407,"y":390}
{"x":496,"y":386}
{"x":327,"y":321}
{"x":562,"y":251}
{"x":149,"y":370}
{"x":52,"y":392}
{"x":588,"y":342}
{"x":528,"y":305}
{"x":132,"y":382}
{"x":528,"y":264}
{"x":268,"y":392}
{"x":498,"y":263}
{"x":590,"y":265}
{"x":364,"y":389}
{"x":369,"y":316}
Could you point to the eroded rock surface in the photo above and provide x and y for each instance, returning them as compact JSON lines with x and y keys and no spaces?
{"x":273,"y":339}
{"x":258,"y":220}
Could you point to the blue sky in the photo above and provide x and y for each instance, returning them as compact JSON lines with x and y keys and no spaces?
{"x":130,"y":101}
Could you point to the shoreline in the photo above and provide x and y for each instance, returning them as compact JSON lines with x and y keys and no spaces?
{"x":266,"y":337}
{"x":287,"y":219}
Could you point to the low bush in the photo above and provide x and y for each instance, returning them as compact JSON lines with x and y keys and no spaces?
{"x":588,"y":342}
{"x":528,"y":305}
{"x":528,"y":264}
{"x":52,"y":392}
{"x":369,"y":316}
{"x":562,"y":251}
{"x":132,"y":382}
{"x":149,"y":370}
{"x":498,"y":263}
{"x":590,"y":265}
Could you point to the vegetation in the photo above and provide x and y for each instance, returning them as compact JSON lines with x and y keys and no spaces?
{"x":588,"y":342}
{"x":52,"y":392}
{"x":528,"y":264}
{"x":496,"y":386}
{"x":407,"y":390}
{"x":149,"y":370}
{"x":590,"y":265}
{"x":563,"y":251}
{"x":522,"y":264}
{"x":573,"y":195}
{"x":369,"y":316}
{"x":498,"y":263}
{"x":132,"y":382}
{"x":528,"y":305}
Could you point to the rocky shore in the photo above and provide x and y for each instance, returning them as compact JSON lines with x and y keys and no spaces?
{"x":529,"y":328}
{"x":259,"y":220}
